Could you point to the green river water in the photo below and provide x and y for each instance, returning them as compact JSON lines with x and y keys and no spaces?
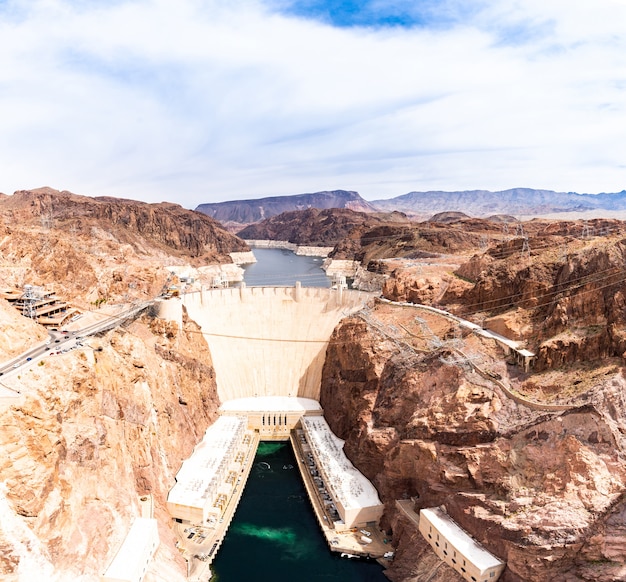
{"x":275,"y":536}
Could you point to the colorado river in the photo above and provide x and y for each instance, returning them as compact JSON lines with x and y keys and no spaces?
{"x":275,"y":535}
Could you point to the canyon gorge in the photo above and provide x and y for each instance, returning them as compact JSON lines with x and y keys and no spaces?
{"x":531,"y":462}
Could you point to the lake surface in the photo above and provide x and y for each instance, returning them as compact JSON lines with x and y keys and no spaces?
{"x":275,"y":535}
{"x":282,"y":267}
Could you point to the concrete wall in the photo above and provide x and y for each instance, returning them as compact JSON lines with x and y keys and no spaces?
{"x":133,"y":558}
{"x":170,"y":310}
{"x":270,"y":341}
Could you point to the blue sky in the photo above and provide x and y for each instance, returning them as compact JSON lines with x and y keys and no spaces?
{"x":207,"y":100}
{"x":374,"y":13}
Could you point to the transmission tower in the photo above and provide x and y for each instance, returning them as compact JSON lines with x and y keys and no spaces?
{"x":526,"y":249}
{"x":433,"y":339}
{"x":586,"y":233}
{"x":29,"y":301}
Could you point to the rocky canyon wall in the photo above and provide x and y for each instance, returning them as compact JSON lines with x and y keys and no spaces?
{"x":544,"y":491}
{"x":97,"y":430}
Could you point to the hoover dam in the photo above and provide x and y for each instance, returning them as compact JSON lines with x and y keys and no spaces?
{"x":268,"y":346}
{"x":270,"y":341}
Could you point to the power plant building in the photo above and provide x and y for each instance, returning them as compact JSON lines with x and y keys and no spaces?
{"x":457,"y":548}
{"x":355,"y":498}
{"x":206,"y":478}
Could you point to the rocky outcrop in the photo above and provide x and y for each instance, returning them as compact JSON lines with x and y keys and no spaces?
{"x":543,"y":490}
{"x":97,"y":429}
{"x":565,"y":297}
{"x":412,"y":241}
{"x":93,"y":251}
{"x":312,"y":226}
{"x":170,"y":226}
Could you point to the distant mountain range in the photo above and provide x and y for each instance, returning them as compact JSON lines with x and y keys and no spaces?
{"x":478,"y":203}
{"x":482,"y":203}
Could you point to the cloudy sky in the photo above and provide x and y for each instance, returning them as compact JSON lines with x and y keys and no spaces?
{"x":207,"y":100}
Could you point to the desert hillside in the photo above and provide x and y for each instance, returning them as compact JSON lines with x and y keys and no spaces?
{"x":314,"y":227}
{"x":531,"y":461}
{"x":95,"y":250}
{"x":99,"y":428}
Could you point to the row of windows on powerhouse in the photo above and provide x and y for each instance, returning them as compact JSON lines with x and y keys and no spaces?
{"x":491,"y":574}
{"x":280,"y":420}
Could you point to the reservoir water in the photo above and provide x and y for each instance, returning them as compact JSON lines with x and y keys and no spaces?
{"x":275,"y":536}
{"x":282,"y":267}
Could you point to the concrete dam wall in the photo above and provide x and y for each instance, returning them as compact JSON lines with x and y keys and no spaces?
{"x":270,"y":341}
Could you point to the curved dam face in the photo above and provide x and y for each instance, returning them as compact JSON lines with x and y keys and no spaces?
{"x":270,"y":341}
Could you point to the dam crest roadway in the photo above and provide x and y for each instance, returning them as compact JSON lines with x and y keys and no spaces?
{"x":268,"y":346}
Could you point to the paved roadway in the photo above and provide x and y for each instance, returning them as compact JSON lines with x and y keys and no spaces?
{"x":59,"y":342}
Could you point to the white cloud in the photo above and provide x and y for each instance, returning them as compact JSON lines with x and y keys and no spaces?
{"x":198,"y":101}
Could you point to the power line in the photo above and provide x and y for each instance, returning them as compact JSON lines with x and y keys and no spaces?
{"x":547,"y":303}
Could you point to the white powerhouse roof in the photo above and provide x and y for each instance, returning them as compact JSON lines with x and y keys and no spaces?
{"x":461,"y":540}
{"x":349,"y":485}
{"x":271,"y":404}
{"x":198,"y":471}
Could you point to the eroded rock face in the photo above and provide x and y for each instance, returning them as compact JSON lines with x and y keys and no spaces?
{"x":167,"y":224}
{"x":563,"y":296}
{"x":543,"y":490}
{"x":17,"y":333}
{"x":97,"y":430}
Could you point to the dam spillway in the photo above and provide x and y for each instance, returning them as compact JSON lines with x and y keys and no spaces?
{"x":270,"y":341}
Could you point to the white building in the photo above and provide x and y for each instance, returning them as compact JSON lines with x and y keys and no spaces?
{"x":202,"y":481}
{"x":133,"y":558}
{"x":457,"y":548}
{"x":354,"y":496}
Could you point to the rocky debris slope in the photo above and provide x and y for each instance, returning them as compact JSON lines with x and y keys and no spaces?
{"x":545,"y":491}
{"x":98,"y":430}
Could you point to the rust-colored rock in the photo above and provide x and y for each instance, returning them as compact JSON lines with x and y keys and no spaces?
{"x":97,"y":430}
